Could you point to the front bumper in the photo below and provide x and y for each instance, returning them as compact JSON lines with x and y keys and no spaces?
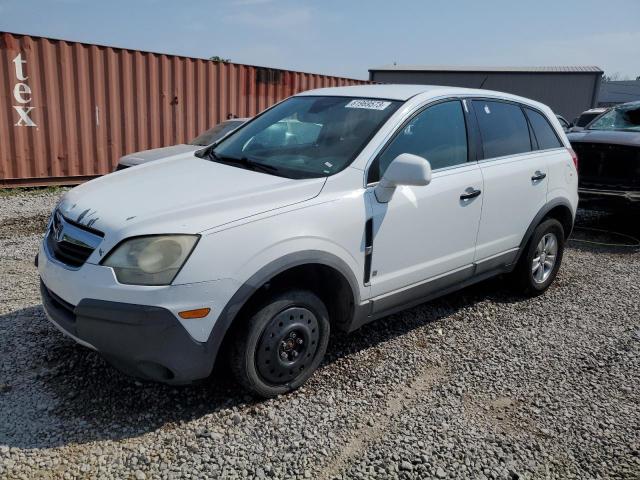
{"x":136,"y":328}
{"x":141,"y":340}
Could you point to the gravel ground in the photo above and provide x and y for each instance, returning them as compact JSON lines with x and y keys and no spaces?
{"x":479,"y":384}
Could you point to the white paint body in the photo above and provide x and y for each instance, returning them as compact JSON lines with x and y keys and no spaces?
{"x":248,"y":219}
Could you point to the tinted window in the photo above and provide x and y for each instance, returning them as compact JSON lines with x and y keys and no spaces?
{"x":544,"y":133}
{"x":503,"y":128}
{"x":585,"y":118}
{"x":438,"y":134}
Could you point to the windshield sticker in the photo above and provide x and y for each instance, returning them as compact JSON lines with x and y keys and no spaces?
{"x":368,"y":104}
{"x":328,"y":164}
{"x":486,"y":109}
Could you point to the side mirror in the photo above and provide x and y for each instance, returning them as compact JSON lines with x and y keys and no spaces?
{"x":405,"y":169}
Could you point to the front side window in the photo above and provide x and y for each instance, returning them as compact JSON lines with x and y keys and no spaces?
{"x":438,"y":134}
{"x":503,"y":128}
{"x":545,"y":134}
{"x":624,"y":118}
{"x":307,"y":136}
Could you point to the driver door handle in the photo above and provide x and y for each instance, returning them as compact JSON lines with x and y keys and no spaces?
{"x":470,"y":193}
{"x":538,"y":176}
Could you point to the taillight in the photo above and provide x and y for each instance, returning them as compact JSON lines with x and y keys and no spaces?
{"x":574,"y":157}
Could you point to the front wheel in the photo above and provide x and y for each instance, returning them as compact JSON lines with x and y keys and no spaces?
{"x":539,"y":263}
{"x":281,"y":344}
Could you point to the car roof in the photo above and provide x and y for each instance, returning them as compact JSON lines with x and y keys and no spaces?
{"x":405,"y":92}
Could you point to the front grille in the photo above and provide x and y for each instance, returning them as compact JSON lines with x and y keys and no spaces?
{"x":68,"y":253}
{"x":608,"y":166}
{"x":71,"y":243}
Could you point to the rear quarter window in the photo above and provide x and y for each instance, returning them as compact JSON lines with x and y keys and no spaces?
{"x":503,"y":128}
{"x":544,"y":132}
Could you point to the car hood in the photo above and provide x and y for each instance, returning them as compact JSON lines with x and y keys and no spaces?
{"x":156,"y":154}
{"x":616,"y":137}
{"x":180,"y":195}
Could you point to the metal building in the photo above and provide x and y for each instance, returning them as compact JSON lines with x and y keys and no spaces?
{"x":69,"y":110}
{"x":619,"y":91}
{"x":567,"y":90}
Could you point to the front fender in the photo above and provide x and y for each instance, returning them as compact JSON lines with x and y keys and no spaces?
{"x":266,"y":273}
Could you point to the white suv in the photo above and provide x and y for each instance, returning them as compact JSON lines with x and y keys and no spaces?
{"x":373,"y":199}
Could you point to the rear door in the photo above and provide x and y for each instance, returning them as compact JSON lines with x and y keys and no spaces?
{"x":515,"y":178}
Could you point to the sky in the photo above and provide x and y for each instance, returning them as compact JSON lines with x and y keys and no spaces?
{"x":347,"y":38}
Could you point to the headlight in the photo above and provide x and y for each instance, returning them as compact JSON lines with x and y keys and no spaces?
{"x":152,"y":260}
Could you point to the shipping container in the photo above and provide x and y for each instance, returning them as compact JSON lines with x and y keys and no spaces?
{"x":69,"y":110}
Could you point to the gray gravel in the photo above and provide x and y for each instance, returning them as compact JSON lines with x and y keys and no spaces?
{"x":479,"y":384}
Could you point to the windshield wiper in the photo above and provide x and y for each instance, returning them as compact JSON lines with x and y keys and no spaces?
{"x":248,"y":163}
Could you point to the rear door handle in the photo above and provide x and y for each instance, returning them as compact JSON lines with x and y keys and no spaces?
{"x":470,"y":193}
{"x":538,"y":176}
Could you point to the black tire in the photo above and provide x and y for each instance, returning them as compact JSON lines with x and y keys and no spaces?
{"x":524,"y":276}
{"x":281,"y":343}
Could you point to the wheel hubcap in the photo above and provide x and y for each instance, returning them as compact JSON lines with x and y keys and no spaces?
{"x":544,"y":258}
{"x":287,"y":345}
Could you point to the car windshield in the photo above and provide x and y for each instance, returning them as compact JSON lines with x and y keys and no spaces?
{"x":624,"y":117}
{"x":216,"y":133}
{"x":306,"y":136}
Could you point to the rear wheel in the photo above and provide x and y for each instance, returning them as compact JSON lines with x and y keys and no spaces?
{"x":539,"y":263}
{"x":281,"y":344}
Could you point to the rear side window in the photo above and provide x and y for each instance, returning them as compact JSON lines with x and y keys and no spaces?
{"x":545,"y":135}
{"x":438,"y":133}
{"x":503,"y":128}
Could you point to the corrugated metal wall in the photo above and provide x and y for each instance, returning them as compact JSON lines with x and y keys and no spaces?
{"x":567,"y":93}
{"x":69,"y":111}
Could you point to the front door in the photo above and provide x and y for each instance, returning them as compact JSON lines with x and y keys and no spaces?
{"x":426,"y":232}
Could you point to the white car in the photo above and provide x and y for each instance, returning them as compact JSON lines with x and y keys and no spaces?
{"x":380,"y":197}
{"x":205,"y":138}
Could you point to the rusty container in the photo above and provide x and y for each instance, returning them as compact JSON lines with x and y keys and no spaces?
{"x":69,"y":110}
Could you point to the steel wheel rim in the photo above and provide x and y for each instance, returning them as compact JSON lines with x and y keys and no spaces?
{"x":288,"y":345}
{"x":544,"y":258}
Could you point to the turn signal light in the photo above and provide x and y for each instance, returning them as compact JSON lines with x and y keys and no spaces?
{"x":197,"y":313}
